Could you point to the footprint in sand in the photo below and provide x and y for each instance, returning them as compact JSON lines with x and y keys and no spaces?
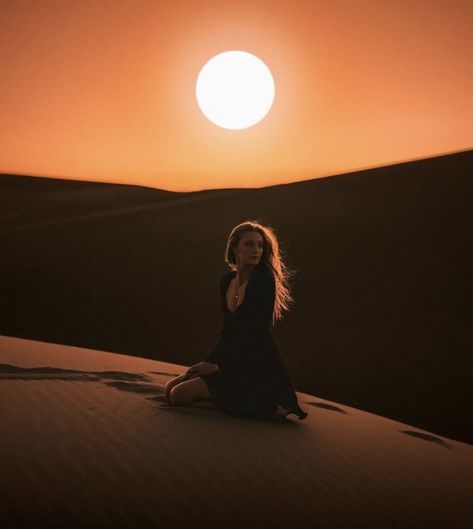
{"x":119,"y":379}
{"x":326,"y":406}
{"x":427,"y":437}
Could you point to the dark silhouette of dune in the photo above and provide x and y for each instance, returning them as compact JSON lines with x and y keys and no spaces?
{"x":47,"y":202}
{"x":382,"y":319}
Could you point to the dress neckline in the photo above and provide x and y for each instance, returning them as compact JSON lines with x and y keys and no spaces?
{"x":232,"y":275}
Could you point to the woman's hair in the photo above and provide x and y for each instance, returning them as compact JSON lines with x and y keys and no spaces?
{"x":271,"y":260}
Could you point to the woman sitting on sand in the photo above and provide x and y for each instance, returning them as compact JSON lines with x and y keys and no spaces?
{"x":244,"y":375}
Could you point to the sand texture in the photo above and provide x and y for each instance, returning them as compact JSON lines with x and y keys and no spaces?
{"x":88,"y":441}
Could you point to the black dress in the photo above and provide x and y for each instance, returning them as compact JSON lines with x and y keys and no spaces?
{"x":251,"y":380}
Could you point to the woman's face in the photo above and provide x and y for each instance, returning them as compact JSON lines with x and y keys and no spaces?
{"x":249,"y":249}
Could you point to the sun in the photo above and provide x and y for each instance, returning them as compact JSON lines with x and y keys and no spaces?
{"x":235,"y":90}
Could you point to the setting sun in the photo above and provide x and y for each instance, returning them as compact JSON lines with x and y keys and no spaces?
{"x":187,"y":96}
{"x":235,"y":90}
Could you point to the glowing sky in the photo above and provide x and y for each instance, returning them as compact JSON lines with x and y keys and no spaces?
{"x":105,"y":90}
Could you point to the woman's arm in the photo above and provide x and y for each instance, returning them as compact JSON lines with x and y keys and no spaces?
{"x":202,"y":368}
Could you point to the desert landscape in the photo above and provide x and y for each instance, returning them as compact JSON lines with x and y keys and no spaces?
{"x":382,"y":318}
{"x":329,"y":146}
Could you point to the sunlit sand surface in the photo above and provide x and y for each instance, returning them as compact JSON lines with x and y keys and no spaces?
{"x":88,"y":441}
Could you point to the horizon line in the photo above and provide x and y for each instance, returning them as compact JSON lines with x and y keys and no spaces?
{"x":356,"y":170}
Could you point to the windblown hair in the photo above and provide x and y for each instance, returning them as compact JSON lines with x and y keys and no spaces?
{"x":271,"y":259}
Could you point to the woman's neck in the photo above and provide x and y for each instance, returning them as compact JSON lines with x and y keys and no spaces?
{"x":243,"y":273}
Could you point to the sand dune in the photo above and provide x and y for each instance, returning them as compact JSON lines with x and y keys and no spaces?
{"x":87,"y":441}
{"x":383,"y":288}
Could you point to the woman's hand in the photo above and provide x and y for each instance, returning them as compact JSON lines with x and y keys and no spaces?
{"x":202,"y":368}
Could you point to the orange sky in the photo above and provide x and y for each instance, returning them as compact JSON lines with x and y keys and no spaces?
{"x":105,"y":90}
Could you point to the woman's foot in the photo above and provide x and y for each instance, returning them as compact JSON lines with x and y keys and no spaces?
{"x":279,"y":415}
{"x":282,"y":412}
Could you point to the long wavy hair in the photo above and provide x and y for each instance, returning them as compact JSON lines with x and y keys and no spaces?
{"x":271,"y":259}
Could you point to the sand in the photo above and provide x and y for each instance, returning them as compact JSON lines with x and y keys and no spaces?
{"x":88,"y":441}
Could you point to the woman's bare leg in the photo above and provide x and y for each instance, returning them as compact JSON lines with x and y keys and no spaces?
{"x":173,"y":382}
{"x":189,"y":391}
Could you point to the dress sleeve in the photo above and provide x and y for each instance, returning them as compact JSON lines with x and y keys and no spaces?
{"x":261,"y":304}
{"x":212,"y":357}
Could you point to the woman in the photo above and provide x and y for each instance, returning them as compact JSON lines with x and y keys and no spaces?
{"x":244,"y":375}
